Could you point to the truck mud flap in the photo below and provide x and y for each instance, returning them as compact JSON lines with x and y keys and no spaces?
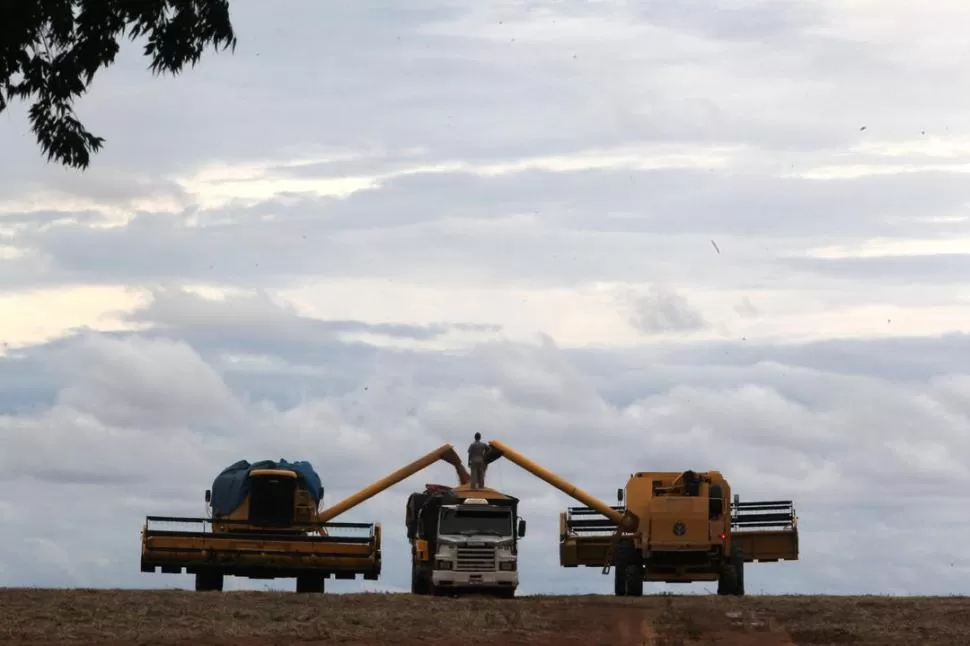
{"x":767,"y":531}
{"x":343,"y":550}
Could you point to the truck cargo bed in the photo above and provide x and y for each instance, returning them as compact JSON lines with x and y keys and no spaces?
{"x":174,"y":544}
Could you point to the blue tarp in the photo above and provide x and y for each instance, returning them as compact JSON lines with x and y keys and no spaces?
{"x":231,"y":487}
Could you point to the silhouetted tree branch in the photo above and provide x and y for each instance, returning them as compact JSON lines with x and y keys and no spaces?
{"x":50,"y":50}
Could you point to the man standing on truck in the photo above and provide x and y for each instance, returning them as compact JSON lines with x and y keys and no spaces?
{"x":476,"y":461}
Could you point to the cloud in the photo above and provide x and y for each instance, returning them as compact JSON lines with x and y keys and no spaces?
{"x":660,"y":310}
{"x":256,"y":317}
{"x":745,"y":307}
{"x":147,"y":419}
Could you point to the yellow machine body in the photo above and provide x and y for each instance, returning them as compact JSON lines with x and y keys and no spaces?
{"x":674,"y":527}
{"x":282,"y":535}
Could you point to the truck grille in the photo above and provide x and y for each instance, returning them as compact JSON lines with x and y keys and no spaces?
{"x":476,"y":559}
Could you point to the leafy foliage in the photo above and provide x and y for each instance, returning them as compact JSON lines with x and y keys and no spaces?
{"x":51,"y":50}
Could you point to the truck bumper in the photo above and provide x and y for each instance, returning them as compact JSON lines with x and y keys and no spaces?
{"x":475,"y":580}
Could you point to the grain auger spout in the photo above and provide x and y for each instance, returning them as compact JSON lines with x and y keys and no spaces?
{"x":621,"y":518}
{"x":445,"y":453}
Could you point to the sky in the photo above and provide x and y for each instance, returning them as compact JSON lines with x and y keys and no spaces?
{"x":617,"y":236}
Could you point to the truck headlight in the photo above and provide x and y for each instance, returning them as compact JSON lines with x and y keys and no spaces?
{"x":441,"y":564}
{"x":507,"y":566}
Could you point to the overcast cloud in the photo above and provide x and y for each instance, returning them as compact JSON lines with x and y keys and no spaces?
{"x":618,"y":236}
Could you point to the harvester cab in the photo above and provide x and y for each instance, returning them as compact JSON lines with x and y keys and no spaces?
{"x":672,"y":527}
{"x":264,"y":523}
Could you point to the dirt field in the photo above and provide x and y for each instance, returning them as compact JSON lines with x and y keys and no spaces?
{"x":115,"y":617}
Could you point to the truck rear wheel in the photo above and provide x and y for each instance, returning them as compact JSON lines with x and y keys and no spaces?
{"x":310,"y":583}
{"x":208,"y":581}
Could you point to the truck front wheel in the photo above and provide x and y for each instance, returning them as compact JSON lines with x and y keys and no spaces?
{"x":419,"y":584}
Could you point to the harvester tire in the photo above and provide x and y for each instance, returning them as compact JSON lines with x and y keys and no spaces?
{"x":628,"y":572}
{"x":737,"y":558}
{"x":727,"y":582}
{"x":310,"y":584}
{"x":731,"y":581}
{"x":634,"y":580}
{"x":619,"y":582}
{"x":208,"y":581}
{"x":623,"y":556}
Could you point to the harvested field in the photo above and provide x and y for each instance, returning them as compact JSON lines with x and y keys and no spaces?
{"x":115,"y":617}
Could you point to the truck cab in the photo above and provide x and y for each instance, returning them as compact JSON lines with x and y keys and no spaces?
{"x":477,"y":546}
{"x":464,"y":544}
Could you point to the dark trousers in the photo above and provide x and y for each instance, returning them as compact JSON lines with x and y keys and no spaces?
{"x":478,"y":475}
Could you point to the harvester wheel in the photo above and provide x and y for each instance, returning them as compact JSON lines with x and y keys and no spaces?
{"x":634,"y":580}
{"x":310,"y":583}
{"x":731,"y":581}
{"x":727,"y":582}
{"x":619,"y":582}
{"x":737,"y":557}
{"x":623,"y":553}
{"x":628,"y":573}
{"x":208,"y":581}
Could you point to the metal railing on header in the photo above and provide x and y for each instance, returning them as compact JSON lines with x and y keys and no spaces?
{"x":762,"y":514}
{"x":180,"y":524}
{"x":586,"y":520}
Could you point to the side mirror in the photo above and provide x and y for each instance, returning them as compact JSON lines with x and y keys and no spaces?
{"x":208,"y":495}
{"x":521,"y":527}
{"x":619,"y":495}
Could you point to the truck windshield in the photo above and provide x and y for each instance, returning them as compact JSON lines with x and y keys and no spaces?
{"x":467,"y":521}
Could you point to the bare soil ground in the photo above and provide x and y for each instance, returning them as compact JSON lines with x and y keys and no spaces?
{"x":116,"y":617}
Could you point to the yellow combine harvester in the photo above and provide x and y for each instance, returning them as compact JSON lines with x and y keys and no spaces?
{"x":676,"y":527}
{"x":265,"y":524}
